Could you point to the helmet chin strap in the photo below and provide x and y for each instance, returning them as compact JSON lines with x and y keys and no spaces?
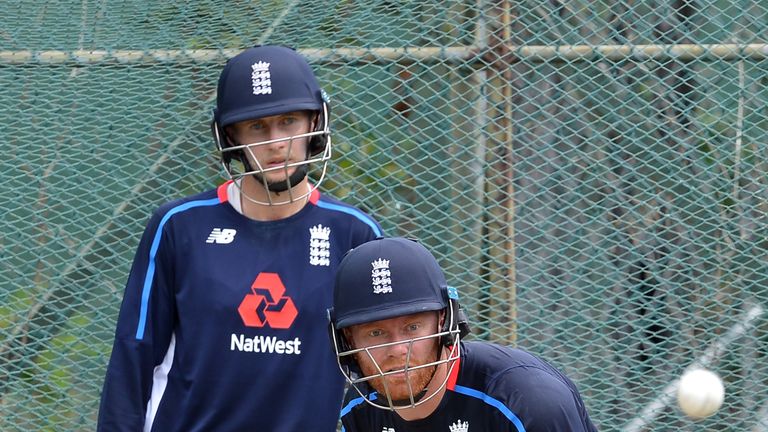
{"x":407,"y":402}
{"x":284,"y":185}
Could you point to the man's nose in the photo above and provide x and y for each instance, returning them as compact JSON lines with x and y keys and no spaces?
{"x":277,"y":137}
{"x":399,"y":347}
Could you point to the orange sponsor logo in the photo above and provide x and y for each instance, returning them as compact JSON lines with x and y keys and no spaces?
{"x":268,"y":305}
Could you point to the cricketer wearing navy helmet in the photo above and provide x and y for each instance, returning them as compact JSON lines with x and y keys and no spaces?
{"x":281,"y":82}
{"x":222,"y":322}
{"x":397,"y":329}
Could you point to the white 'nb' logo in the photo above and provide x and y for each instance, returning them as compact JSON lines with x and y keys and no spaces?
{"x":221,"y":236}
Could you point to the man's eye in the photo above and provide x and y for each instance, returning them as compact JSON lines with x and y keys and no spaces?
{"x":375,"y":333}
{"x":289,"y":120}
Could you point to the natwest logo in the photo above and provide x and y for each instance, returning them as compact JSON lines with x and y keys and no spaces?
{"x":268,"y":305}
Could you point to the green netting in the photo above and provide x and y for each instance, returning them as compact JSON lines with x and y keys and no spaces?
{"x":592,"y":175}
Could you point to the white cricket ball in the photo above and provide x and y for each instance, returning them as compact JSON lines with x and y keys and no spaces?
{"x":700,"y":393}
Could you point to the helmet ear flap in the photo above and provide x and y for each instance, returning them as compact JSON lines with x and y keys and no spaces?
{"x":220,"y":139}
{"x":226,"y":157}
{"x":318,"y":143}
{"x":456,"y":319}
{"x":224,"y":141}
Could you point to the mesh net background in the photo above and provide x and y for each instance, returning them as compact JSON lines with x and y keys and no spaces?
{"x":591,"y":174}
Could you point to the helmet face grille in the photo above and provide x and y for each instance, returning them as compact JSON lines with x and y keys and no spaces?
{"x":346,"y":356}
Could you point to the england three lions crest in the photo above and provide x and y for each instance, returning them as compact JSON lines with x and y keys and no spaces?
{"x":381,"y":277}
{"x":319,"y":246}
{"x":261,"y":78}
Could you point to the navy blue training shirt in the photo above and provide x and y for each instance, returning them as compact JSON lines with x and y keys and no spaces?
{"x":223,"y":327}
{"x":494,"y":388}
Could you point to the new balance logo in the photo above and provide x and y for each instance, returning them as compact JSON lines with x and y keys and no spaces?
{"x":460,"y":426}
{"x":221,"y":236}
{"x":388,"y":429}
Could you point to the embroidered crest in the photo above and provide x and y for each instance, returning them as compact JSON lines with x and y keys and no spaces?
{"x":261,"y":79}
{"x":380,"y":276}
{"x":319,"y":246}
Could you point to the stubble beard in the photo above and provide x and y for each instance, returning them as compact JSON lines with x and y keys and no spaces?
{"x":397,"y":387}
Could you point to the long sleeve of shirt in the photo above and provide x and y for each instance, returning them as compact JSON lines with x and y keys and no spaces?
{"x":223,"y":320}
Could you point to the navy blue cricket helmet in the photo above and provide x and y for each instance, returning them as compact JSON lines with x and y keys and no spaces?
{"x":268,"y":80}
{"x":387,"y":278}
{"x":264,"y":81}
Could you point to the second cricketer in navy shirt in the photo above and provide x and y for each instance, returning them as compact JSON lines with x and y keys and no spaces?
{"x":222,"y":325}
{"x":396,"y":328}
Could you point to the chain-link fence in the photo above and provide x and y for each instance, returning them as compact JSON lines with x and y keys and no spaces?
{"x":592,"y":175}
